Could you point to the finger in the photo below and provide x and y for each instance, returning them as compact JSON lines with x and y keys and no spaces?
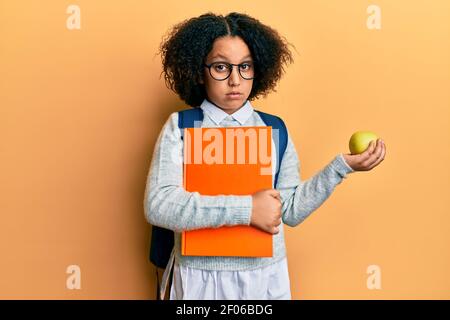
{"x":274,"y":192}
{"x":374,"y":155}
{"x":378,"y":159}
{"x":378,"y":151}
{"x":276,"y":218}
{"x":366,"y":154}
{"x":381,"y":158}
{"x":373,"y":146}
{"x":275,"y":230}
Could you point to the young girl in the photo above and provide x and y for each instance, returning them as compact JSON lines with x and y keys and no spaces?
{"x":219,"y":64}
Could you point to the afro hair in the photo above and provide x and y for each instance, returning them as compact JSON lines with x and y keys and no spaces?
{"x":184,"y":50}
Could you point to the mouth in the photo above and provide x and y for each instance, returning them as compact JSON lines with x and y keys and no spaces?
{"x":234,"y":94}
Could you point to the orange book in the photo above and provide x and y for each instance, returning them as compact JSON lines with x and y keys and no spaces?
{"x":227,"y":161}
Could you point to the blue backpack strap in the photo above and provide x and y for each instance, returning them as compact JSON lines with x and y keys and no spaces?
{"x":280,"y":137}
{"x":190,"y":118}
{"x":162,"y":240}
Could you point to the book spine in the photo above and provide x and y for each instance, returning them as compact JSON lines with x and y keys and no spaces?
{"x":183,"y":233}
{"x":183,"y":243}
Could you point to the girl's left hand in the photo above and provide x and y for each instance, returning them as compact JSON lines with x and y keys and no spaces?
{"x":369,"y":159}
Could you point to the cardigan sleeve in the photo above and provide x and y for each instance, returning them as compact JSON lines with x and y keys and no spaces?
{"x":167,"y":204}
{"x":301,"y":198}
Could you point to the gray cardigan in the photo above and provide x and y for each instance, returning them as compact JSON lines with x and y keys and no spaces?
{"x":167,"y":204}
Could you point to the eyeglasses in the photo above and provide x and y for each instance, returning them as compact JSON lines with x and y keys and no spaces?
{"x":222,"y":70}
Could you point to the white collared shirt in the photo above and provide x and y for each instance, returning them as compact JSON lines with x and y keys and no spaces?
{"x":267,"y":283}
{"x":218,"y":115}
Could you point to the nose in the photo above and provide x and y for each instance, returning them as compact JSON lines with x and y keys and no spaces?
{"x":235,"y":77}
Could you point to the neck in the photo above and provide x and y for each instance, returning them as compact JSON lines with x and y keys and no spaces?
{"x":225,"y":110}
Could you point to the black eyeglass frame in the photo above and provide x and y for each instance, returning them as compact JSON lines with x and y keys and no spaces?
{"x":230,"y":68}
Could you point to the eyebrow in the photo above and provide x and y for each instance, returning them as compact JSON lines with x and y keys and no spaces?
{"x":221,"y":56}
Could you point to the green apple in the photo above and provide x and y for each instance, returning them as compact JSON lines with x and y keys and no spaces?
{"x":360,"y":141}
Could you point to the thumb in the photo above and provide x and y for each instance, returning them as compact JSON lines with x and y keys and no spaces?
{"x":274,"y":193}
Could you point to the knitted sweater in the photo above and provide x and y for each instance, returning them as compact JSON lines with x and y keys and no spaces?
{"x":167,"y":204}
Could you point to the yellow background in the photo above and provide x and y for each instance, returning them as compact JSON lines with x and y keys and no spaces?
{"x":81,"y":111}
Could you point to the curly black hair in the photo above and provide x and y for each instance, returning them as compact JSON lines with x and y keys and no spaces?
{"x":187,"y":44}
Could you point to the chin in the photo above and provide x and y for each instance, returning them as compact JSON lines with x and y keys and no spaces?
{"x":234,"y":104}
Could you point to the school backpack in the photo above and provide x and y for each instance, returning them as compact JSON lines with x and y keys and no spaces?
{"x":162,"y":240}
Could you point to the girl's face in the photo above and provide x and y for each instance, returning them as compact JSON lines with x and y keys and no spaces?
{"x":232,"y":50}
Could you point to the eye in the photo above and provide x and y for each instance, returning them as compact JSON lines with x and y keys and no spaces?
{"x":220,"y":67}
{"x":246,"y":66}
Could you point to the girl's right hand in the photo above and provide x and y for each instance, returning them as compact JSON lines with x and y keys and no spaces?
{"x":266,"y":211}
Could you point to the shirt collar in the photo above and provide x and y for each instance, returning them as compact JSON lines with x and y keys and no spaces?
{"x":217,"y":114}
